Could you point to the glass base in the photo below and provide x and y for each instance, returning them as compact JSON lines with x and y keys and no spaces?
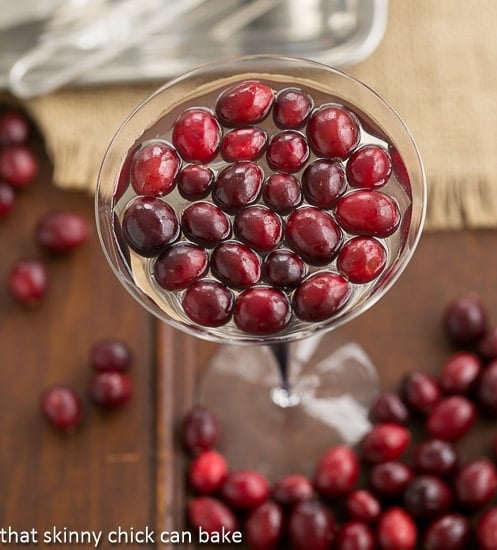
{"x":264,"y":427}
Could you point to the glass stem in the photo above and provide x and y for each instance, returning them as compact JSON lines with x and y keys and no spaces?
{"x":283,"y":395}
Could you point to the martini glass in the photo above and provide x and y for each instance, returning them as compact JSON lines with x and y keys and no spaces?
{"x":292,"y":384}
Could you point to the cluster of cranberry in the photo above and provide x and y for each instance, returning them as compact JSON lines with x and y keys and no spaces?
{"x":429,"y":500}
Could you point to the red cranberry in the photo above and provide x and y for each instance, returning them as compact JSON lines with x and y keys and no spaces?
{"x":195,"y":182}
{"x":243,"y":144}
{"x":283,"y":268}
{"x":465,"y":319}
{"x":314,"y":235}
{"x":61,"y":407}
{"x":281,"y":192}
{"x":154,"y":169}
{"x":211,"y":515}
{"x":292,"y":489}
{"x":363,"y":506}
{"x":208,"y":303}
{"x":487,"y":346}
{"x":486,"y":530}
{"x":197,"y":135}
{"x":451,"y":418}
{"x":7,"y":199}
{"x":262,"y":311}
{"x":459,"y":373}
{"x":369,"y":167}
{"x":238,"y":185}
{"x":370,"y":213}
{"x":321,"y":296}
{"x":200,"y":430}
{"x":110,"y":389}
{"x":396,"y":530}
{"x":287,"y":151}
{"x":28,"y":281}
{"x":258,"y":227}
{"x":18,"y":165}
{"x":420,"y":392}
{"x":292,"y":108}
{"x":207,"y":472}
{"x":311,"y":525}
{"x":180,"y":265}
{"x":337,"y":472}
{"x":236,"y":265}
{"x":427,"y":497}
{"x":475,"y":484}
{"x":448,"y":532}
{"x":389,"y":479}
{"x":245,"y":103}
{"x":388,"y":407}
{"x":14,"y":127}
{"x":60,"y":232}
{"x":385,"y":442}
{"x":355,"y":535}
{"x":264,"y":526}
{"x":486,"y":392}
{"x":333,"y":132}
{"x":205,"y":224}
{"x":110,"y":355}
{"x":245,"y":489}
{"x":362,"y":259}
{"x":435,"y":457}
{"x":323,"y":181}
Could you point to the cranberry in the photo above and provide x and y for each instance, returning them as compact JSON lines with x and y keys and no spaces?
{"x":369,"y":167}
{"x":389,"y":479}
{"x":321,"y":296}
{"x":448,"y":532}
{"x":314,"y":235}
{"x":243,"y":144}
{"x":487,"y":346}
{"x":207,"y":472}
{"x":28,"y":281}
{"x":396,"y":530}
{"x":333,"y":132}
{"x":283,"y":268}
{"x":475,"y":484}
{"x":154,"y":169}
{"x":451,"y":418}
{"x":337,"y":472}
{"x":110,"y":389}
{"x":211,"y":515}
{"x":149,"y":225}
{"x":7,"y":199}
{"x":180,"y":265}
{"x":197,"y":135}
{"x":362,"y":505}
{"x":385,"y":442}
{"x":262,"y":311}
{"x":258,"y":227}
{"x":205,"y":224}
{"x":435,"y":457}
{"x":60,"y":232}
{"x":200,"y":429}
{"x":208,"y":303}
{"x":238,"y":185}
{"x":459,"y":373}
{"x":427,"y":497}
{"x":323,"y":181}
{"x":486,"y":530}
{"x":370,"y":213}
{"x":287,"y":151}
{"x":110,"y":355}
{"x":245,"y":103}
{"x":281,"y":192}
{"x":14,"y":127}
{"x":264,"y":526}
{"x":18,"y":165}
{"x":311,"y":525}
{"x":245,"y":489}
{"x":487,"y":389}
{"x":362,"y":259}
{"x":195,"y":182}
{"x":465,"y":319}
{"x":420,"y":392}
{"x":292,"y":108}
{"x":355,"y":535}
{"x":292,"y":489}
{"x":388,"y":407}
{"x":61,"y":407}
{"x":236,"y":265}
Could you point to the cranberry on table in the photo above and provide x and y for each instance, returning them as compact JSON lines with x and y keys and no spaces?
{"x":487,"y":346}
{"x":311,"y":525}
{"x":396,"y":530}
{"x":243,"y":144}
{"x":283,"y":269}
{"x":426,"y":497}
{"x":337,"y":472}
{"x":388,"y":407}
{"x":18,"y":165}
{"x":465,"y":319}
{"x":292,"y":108}
{"x":236,"y":265}
{"x":262,"y":310}
{"x":459,"y":373}
{"x":264,"y":526}
{"x":197,"y":135}
{"x":208,"y":303}
{"x":389,"y":479}
{"x":435,"y":457}
{"x":154,"y":169}
{"x":362,"y":259}
{"x":292,"y":489}
{"x":323,"y":181}
{"x":385,"y":442}
{"x":211,"y":515}
{"x":207,"y":472}
{"x":194,"y":182}
{"x":246,"y":103}
{"x":486,"y":530}
{"x":245,"y":489}
{"x":205,"y":224}
{"x":281,"y":192}
{"x":287,"y":152}
{"x":110,"y":354}
{"x":60,"y":232}
{"x":259,"y":227}
{"x":237,"y":185}
{"x":7,"y":199}
{"x":475,"y":484}
{"x":448,"y":532}
{"x":110,"y":389}
{"x":14,"y":127}
{"x":200,"y":429}
{"x":420,"y":392}
{"x":369,"y":167}
{"x":486,"y":392}
{"x":451,"y":418}
{"x":61,"y":407}
{"x":362,"y":505}
{"x":180,"y":265}
{"x":28,"y":281}
{"x":355,"y":535}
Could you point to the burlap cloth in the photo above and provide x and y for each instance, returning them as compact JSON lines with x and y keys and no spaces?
{"x":437,"y":65}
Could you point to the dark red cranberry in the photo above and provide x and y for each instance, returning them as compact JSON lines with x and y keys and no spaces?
{"x":207,"y":472}
{"x":149,"y":225}
{"x":459,"y":373}
{"x":435,"y":457}
{"x":337,"y":472}
{"x":355,"y":535}
{"x":258,"y":227}
{"x":197,"y":135}
{"x":263,"y":528}
{"x":323,"y":181}
{"x":211,"y":515}
{"x":389,"y":479}
{"x":292,"y":489}
{"x":200,"y":430}
{"x":451,"y":418}
{"x":154,"y":169}
{"x":195,"y":182}
{"x":245,"y":103}
{"x":61,"y":407}
{"x":180,"y":265}
{"x":448,"y":532}
{"x":465,"y":319}
{"x":7,"y":199}
{"x":475,"y":484}
{"x":427,"y":497}
{"x":370,"y":213}
{"x":313,"y":234}
{"x":486,"y":393}
{"x":287,"y":152}
{"x":60,"y":232}
{"x":236,"y":265}
{"x":311,"y":525}
{"x":292,"y":108}
{"x":385,"y":442}
{"x":281,"y":192}
{"x":110,"y":355}
{"x":14,"y":127}
{"x":245,"y":489}
{"x":362,"y":505}
{"x":18,"y":165}
{"x":487,"y":346}
{"x":486,"y":530}
{"x":28,"y":281}
{"x":333,"y":132}
{"x":208,"y":303}
{"x":262,"y":311}
{"x":494,"y":447}
{"x":420,"y":392}
{"x":110,"y":389}
{"x":243,"y":144}
{"x":238,"y":185}
{"x":362,"y":259}
{"x":369,"y":167}
{"x":283,"y":268}
{"x":396,"y":530}
{"x":205,"y":224}
{"x":388,"y":407}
